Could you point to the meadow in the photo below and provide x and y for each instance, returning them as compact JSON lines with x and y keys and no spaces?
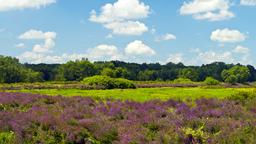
{"x":144,"y":94}
{"x":75,"y":113}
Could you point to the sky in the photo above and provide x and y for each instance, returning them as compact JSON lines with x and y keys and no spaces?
{"x":193,"y":32}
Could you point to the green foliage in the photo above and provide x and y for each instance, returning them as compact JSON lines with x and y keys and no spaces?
{"x":115,"y":73}
{"x":244,"y":97}
{"x":122,"y":83}
{"x":198,"y":134}
{"x":237,"y":74}
{"x":147,"y":75}
{"x":246,"y":135}
{"x":183,"y":81}
{"x":189,"y":73}
{"x":108,"y":72}
{"x":12,"y":71}
{"x":7,"y":137}
{"x":232,"y":79}
{"x":144,"y":94}
{"x":76,"y":70}
{"x":211,"y":81}
{"x":108,"y":82}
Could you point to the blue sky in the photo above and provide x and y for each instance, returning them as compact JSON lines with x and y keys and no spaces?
{"x":194,"y":32}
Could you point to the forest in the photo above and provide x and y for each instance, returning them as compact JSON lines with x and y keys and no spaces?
{"x":12,"y":71}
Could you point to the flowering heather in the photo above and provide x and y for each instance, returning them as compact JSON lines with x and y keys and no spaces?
{"x":28,"y":118}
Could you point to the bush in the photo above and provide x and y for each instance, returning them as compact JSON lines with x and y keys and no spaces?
{"x":183,"y":81}
{"x":211,"y":81}
{"x":7,"y":137}
{"x":231,"y":79}
{"x":243,"y":97}
{"x":109,"y":83}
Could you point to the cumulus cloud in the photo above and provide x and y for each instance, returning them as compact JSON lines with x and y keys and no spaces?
{"x":48,"y":38}
{"x":122,"y":17}
{"x":36,"y":34}
{"x":109,"y":52}
{"x":212,"y":10}
{"x":139,"y":48}
{"x":227,"y":35}
{"x":103,"y":52}
{"x":166,"y":37}
{"x":127,"y":28}
{"x":211,"y":56}
{"x":248,"y":2}
{"x":6,"y":5}
{"x":175,"y":58}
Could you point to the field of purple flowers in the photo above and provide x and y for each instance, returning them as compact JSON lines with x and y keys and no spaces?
{"x":28,"y":118}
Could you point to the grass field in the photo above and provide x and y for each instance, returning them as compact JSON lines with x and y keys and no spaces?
{"x":145,"y":94}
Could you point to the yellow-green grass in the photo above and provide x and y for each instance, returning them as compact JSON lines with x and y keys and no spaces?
{"x":145,"y":94}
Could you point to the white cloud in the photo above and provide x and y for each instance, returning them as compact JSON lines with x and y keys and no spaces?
{"x":127,"y":28}
{"x":139,"y":48}
{"x":241,"y":49}
{"x":49,"y":43}
{"x":6,"y":5}
{"x":166,"y":37}
{"x":122,"y":17}
{"x":120,"y":11}
{"x":134,"y":50}
{"x":109,"y":52}
{"x":212,"y":10}
{"x":175,"y":58}
{"x":36,"y":34}
{"x":222,"y":15}
{"x":48,"y":38}
{"x":33,"y":57}
{"x":211,"y":56}
{"x":227,"y":35}
{"x":20,"y":45}
{"x":248,"y":2}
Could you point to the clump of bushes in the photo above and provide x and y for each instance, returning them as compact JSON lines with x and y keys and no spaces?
{"x":211,"y":81}
{"x":106,"y":82}
{"x":183,"y":81}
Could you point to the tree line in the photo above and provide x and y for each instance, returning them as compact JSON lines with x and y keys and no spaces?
{"x":11,"y":71}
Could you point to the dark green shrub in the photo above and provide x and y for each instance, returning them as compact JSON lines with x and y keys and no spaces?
{"x":123,"y":83}
{"x":108,"y":83}
{"x":211,"y":81}
{"x":183,"y":81}
{"x":99,"y":81}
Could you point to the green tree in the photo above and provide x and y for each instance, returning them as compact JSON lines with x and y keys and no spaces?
{"x":121,"y":72}
{"x":12,"y":71}
{"x":108,"y":72}
{"x":189,"y":73}
{"x":237,"y":74}
{"x":147,"y":75}
{"x":76,"y":70}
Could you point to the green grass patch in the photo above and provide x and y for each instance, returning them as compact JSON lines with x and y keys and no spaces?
{"x":145,"y":94}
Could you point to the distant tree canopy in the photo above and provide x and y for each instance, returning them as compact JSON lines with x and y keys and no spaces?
{"x":237,"y":74}
{"x":13,"y":71}
{"x":76,"y":70}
